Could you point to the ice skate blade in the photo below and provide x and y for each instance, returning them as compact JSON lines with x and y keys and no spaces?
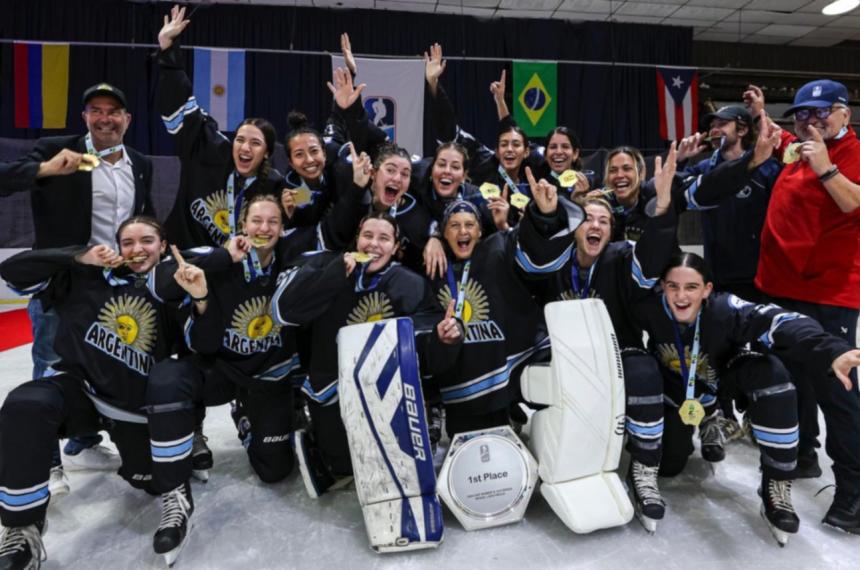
{"x":171,"y":556}
{"x":201,"y":475}
{"x":649,"y":524}
{"x":838,"y":528}
{"x":780,"y":535}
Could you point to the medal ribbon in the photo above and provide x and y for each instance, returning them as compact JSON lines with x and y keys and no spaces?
{"x":252,"y":267}
{"x":91,"y":149}
{"x":515,"y":188}
{"x":581,"y":290}
{"x":460,"y":289}
{"x":694,"y":353}
{"x":359,"y":285}
{"x":234,"y":203}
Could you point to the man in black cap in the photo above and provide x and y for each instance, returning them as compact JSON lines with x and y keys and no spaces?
{"x":78,"y":199}
{"x":731,"y":227}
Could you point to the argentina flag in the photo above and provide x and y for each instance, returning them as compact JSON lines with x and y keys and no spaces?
{"x":219,"y":85}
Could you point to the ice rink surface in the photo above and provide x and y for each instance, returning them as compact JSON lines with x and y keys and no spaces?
{"x":712,"y":521}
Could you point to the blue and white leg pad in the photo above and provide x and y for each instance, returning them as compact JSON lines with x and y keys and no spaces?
{"x":383,"y":411}
{"x":578,"y":438}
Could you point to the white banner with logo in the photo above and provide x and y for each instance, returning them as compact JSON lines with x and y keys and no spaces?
{"x":393,"y":98}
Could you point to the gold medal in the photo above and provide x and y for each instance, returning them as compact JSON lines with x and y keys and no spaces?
{"x":489,"y":190}
{"x":88,"y":163}
{"x":136,"y":259}
{"x":790,"y":153}
{"x":259,"y":241}
{"x":692,"y":413}
{"x":361,"y":257}
{"x":568,"y":178}
{"x":302,"y":195}
{"x":520,"y":201}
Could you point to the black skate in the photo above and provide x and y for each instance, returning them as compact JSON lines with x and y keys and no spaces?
{"x":21,"y":547}
{"x":435,"y":416}
{"x":647,"y":501}
{"x":316,"y":476}
{"x":777,"y":510}
{"x":201,"y":457}
{"x":175,"y":527}
{"x":243,"y":424}
{"x":844,"y":513}
{"x":713,"y":437}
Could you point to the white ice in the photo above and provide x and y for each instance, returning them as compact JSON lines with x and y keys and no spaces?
{"x":712,"y":521}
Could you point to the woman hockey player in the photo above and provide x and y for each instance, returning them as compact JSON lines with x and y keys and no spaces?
{"x":113,"y":328}
{"x":698,"y":338}
{"x":218,"y":176}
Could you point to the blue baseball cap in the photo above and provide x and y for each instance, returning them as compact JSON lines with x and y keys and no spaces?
{"x":818,"y":93}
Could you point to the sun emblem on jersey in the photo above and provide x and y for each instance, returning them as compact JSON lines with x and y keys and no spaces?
{"x":475,"y":305}
{"x":132,"y":319}
{"x":252,"y":319}
{"x":216,"y":206}
{"x":669,"y":357}
{"x":372,"y":307}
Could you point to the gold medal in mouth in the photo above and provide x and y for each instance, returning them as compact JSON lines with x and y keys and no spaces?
{"x":88,"y":163}
{"x":259,"y":241}
{"x":362,"y":257}
{"x":136,"y":259}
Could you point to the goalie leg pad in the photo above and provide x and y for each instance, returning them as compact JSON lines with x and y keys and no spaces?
{"x":382,"y":406}
{"x":577,"y":439}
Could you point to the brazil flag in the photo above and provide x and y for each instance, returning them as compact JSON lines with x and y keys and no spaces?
{"x":535,"y":98}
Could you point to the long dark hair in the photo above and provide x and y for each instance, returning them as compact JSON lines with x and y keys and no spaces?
{"x":691,"y":260}
{"x":574,"y":142}
{"x":269,"y":136}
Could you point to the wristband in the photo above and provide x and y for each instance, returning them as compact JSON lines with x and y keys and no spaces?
{"x":201,"y":299}
{"x":831,"y":172}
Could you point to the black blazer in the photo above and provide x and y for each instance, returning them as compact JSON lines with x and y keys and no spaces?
{"x":62,"y":205}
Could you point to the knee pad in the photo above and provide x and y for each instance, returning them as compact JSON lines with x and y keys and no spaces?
{"x":383,"y":411}
{"x":578,"y":438}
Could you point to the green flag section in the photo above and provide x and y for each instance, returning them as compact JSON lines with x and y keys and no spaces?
{"x":535,"y":97}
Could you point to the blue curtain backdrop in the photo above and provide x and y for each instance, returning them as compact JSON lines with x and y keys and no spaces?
{"x":606,"y":105}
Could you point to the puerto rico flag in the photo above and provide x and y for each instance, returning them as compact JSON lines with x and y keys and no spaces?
{"x":678,"y":99}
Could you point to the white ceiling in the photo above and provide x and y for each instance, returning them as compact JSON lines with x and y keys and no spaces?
{"x":778,"y":22}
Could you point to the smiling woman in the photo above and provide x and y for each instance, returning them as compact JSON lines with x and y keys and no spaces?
{"x":218,"y":177}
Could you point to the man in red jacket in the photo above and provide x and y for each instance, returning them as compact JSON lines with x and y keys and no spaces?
{"x":810,"y":263}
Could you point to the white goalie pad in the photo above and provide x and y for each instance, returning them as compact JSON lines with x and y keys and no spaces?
{"x":383,"y":411}
{"x":578,"y":439}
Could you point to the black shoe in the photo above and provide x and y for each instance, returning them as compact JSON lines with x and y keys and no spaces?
{"x":175,"y":526}
{"x":21,"y":547}
{"x":844,"y":513}
{"x":807,"y":465}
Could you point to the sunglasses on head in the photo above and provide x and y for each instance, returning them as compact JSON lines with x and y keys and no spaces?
{"x":820,"y":112}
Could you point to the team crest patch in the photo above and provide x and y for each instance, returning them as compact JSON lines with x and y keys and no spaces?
{"x":373,"y":307}
{"x":252,"y":328}
{"x":213,"y":214}
{"x":382,"y":112}
{"x":476,"y":313}
{"x":668,"y":355}
{"x":126,"y":331}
